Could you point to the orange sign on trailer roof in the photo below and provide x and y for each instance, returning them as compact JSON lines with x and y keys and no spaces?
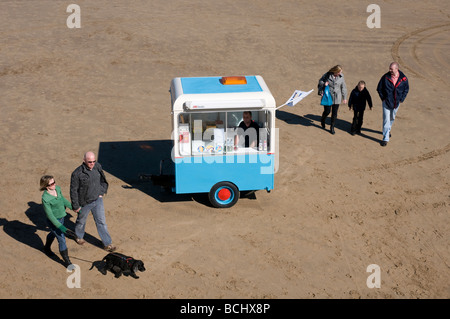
{"x":229,"y":80}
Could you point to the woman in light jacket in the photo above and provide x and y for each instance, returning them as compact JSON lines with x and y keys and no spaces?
{"x":335,"y":81}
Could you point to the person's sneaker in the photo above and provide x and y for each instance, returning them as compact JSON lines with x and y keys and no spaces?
{"x":383,"y":143}
{"x":110,"y":248}
{"x":80,"y":241}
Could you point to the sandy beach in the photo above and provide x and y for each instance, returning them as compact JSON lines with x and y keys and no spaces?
{"x":340,"y":202}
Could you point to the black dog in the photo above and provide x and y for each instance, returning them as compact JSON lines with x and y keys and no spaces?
{"x":120,"y":264}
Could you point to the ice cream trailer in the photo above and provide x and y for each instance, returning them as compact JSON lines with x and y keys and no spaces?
{"x":214,"y":151}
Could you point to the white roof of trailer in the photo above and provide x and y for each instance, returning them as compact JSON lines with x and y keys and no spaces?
{"x":213,"y":93}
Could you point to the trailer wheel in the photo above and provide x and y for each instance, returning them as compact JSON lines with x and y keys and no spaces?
{"x":223,"y":195}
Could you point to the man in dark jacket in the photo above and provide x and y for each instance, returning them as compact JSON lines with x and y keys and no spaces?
{"x":358,"y":99}
{"x":87,"y":186}
{"x":392,"y":89}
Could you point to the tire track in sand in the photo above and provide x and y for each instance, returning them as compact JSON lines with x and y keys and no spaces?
{"x":411,"y":160}
{"x":418,"y":67}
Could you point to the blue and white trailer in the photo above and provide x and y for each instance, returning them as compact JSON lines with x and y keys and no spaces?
{"x":210,"y":154}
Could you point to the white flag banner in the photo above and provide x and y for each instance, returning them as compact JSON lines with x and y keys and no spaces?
{"x":296,"y":97}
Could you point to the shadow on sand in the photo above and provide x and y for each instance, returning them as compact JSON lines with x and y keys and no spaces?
{"x":27,"y":233}
{"x":128,"y":160}
{"x":314,"y":121}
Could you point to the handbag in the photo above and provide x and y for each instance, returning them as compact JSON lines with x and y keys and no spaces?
{"x":326,"y":100}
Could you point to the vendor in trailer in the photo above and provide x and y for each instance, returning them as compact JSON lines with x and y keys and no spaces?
{"x":252,"y":137}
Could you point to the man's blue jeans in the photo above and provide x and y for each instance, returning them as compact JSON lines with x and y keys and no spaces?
{"x":388,"y":121}
{"x":98,"y":212}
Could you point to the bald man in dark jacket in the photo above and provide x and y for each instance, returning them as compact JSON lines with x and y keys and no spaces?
{"x":88,"y":185}
{"x":392,"y":88}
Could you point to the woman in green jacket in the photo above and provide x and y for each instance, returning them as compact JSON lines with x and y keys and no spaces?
{"x":55,"y":208}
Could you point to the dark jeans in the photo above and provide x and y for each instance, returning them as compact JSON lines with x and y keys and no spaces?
{"x":334,"y":111}
{"x":358,"y":116}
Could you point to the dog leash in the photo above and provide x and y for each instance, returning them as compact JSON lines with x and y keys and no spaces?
{"x":71,"y":233}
